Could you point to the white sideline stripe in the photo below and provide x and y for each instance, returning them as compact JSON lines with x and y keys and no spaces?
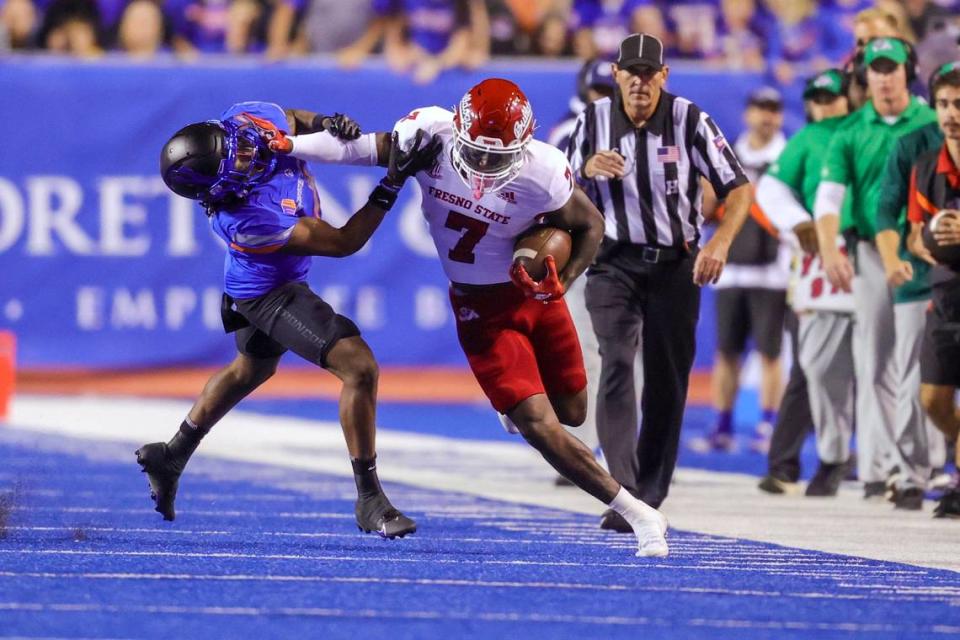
{"x":587,"y":538}
{"x":842,"y":565}
{"x":316,"y":612}
{"x":722,"y":504}
{"x":286,"y":534}
{"x":494,"y":584}
{"x":421,"y":560}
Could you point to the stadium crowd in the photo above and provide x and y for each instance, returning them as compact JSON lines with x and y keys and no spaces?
{"x":423,"y":37}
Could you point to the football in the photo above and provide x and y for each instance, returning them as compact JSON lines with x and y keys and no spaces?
{"x":533,"y":247}
{"x":948,"y":255}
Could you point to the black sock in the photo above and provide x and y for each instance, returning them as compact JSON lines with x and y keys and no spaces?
{"x":365,"y":475}
{"x":185,"y":441}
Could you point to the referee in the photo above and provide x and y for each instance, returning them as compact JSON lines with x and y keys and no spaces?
{"x":642,"y":155}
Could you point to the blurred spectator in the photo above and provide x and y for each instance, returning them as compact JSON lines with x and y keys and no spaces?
{"x":110,"y":13}
{"x":213,"y":26}
{"x":72,"y":27}
{"x":281,"y":27}
{"x":332,"y":25}
{"x":940,"y":46}
{"x":924,"y":16}
{"x":384,"y":27}
{"x":425,"y":36}
{"x":140,"y":33}
{"x":896,"y":9}
{"x":741,"y":35}
{"x":599,"y":26}
{"x":842,"y":14}
{"x":552,"y":40}
{"x":514,"y":25}
{"x":800,"y":35}
{"x":18,"y":21}
{"x":693,"y":27}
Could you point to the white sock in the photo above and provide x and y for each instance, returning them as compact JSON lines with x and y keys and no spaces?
{"x":632,"y":509}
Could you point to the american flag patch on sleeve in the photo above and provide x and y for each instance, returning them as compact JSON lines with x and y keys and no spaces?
{"x":668,"y":154}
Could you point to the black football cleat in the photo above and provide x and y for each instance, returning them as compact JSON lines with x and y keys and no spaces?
{"x":613,"y":521}
{"x":376,"y":514}
{"x":163,"y":472}
{"x":949,"y":505}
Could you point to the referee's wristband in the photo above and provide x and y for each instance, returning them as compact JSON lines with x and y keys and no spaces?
{"x":384,"y":195}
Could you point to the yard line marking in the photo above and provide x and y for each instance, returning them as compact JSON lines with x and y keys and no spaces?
{"x":453,"y":582}
{"x":316,"y":612}
{"x":296,"y":515}
{"x":593,"y":540}
{"x":58,"y":638}
{"x":639,"y":564}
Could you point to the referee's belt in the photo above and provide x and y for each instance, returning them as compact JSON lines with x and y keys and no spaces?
{"x":654,"y":255}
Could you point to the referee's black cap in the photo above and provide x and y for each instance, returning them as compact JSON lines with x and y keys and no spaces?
{"x":641,"y":50}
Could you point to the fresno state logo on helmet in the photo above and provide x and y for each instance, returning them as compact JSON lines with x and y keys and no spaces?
{"x":495,"y":112}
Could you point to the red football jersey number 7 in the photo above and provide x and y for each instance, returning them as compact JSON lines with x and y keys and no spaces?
{"x":475,"y":230}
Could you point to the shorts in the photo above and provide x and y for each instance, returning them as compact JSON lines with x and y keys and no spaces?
{"x":518,"y":347}
{"x":291,"y":317}
{"x":940,"y":350}
{"x":742,"y":313}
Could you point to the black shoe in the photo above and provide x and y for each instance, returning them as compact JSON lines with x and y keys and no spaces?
{"x":613,"y":521}
{"x":949,"y":505}
{"x":163,"y":472}
{"x":909,"y":499}
{"x":874,"y":490}
{"x":826,"y":481}
{"x":376,"y":514}
{"x":561,"y":481}
{"x":777,"y":486}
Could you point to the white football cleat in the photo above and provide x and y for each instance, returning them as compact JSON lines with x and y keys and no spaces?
{"x":651,"y":535}
{"x":651,"y":542}
{"x":508,"y":424}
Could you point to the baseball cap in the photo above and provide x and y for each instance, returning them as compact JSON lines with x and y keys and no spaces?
{"x":597,"y":74}
{"x":766,"y":98}
{"x":829,"y":81}
{"x":641,"y":50}
{"x":941,"y":71}
{"x":890,"y":48}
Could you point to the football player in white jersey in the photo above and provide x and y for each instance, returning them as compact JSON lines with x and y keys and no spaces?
{"x":492,"y":183}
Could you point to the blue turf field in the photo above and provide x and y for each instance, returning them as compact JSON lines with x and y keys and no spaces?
{"x":268,"y":552}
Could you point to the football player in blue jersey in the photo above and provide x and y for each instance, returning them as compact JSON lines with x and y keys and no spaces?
{"x":265,"y":207}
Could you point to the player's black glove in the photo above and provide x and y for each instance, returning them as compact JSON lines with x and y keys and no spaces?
{"x":339,"y":126}
{"x":422,"y":156}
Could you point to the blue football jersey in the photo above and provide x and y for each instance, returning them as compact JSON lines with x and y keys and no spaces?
{"x":257,"y":227}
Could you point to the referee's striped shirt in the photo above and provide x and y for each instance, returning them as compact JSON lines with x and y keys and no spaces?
{"x":659,"y":200}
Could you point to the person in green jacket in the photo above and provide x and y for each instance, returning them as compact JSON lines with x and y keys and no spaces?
{"x":823,"y":354}
{"x":920,"y":447}
{"x":853,"y":167}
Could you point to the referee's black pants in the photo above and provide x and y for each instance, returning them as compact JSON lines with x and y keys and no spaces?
{"x":635,"y":304}
{"x":794,"y":420}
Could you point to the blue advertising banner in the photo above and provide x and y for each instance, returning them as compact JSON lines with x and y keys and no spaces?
{"x":103,"y":267}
